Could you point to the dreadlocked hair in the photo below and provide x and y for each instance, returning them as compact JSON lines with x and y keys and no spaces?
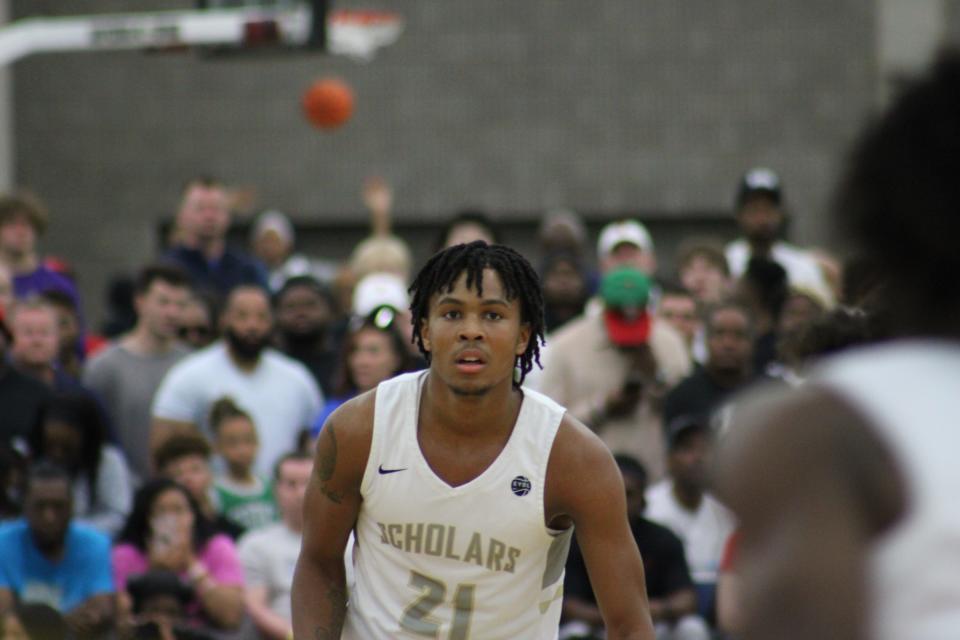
{"x":520,"y":282}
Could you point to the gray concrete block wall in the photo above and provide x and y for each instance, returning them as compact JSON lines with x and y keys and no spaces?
{"x":616,"y":107}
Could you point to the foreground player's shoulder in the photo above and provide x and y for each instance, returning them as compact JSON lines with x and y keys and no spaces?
{"x":580,"y":469}
{"x":576,"y":447}
{"x":812,"y":432}
{"x":343,"y":445}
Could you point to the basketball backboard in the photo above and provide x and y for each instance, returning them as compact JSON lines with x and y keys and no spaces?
{"x":286,"y":25}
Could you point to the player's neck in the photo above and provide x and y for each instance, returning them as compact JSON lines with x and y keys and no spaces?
{"x":487,"y":414}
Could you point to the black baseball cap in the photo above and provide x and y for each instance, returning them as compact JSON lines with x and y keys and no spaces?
{"x":683,"y":426}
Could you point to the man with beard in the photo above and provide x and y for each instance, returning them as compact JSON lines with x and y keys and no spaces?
{"x":761,"y":218}
{"x":278,"y":392}
{"x":305,"y":327}
{"x":729,"y":366}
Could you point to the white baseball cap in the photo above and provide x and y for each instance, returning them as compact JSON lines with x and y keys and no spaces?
{"x":625,"y":231}
{"x":275,"y":221}
{"x":379,"y":290}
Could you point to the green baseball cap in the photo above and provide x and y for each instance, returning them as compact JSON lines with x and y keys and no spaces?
{"x":626,"y":292}
{"x":625,"y":288}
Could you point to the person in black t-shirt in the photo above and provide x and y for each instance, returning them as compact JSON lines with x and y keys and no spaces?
{"x":729,"y":366}
{"x":673,"y":600}
{"x":310,"y":328}
{"x":21,"y":396}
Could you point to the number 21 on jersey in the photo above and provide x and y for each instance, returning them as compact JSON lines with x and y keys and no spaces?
{"x":416,"y":617}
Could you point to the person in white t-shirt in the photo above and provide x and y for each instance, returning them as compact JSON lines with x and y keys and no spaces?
{"x":682,"y":503}
{"x":761,"y":217}
{"x":269,"y":554}
{"x":279,"y":393}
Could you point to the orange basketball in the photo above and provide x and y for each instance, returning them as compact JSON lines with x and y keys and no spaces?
{"x":327,"y":103}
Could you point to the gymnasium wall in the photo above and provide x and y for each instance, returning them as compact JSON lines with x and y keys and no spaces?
{"x":618,"y":107}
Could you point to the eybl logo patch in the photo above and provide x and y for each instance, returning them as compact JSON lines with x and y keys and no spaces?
{"x":520,"y":486}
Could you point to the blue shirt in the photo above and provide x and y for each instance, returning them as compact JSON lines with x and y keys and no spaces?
{"x":328,"y":408}
{"x":82,"y":572}
{"x":232,"y":269}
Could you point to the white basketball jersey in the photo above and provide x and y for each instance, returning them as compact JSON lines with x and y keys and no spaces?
{"x":909,"y":392}
{"x":474,"y":561}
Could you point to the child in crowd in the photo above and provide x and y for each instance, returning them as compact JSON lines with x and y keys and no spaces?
{"x":244,"y":497}
{"x":185,"y":458}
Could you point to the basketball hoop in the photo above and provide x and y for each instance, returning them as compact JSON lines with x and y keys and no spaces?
{"x":358,"y":34}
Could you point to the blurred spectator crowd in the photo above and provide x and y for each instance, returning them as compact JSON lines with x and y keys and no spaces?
{"x":152,"y":471}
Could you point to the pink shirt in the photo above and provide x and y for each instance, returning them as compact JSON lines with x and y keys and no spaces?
{"x":219,"y":557}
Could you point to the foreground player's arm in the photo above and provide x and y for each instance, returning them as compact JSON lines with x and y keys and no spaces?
{"x":330,"y":510}
{"x":584,"y":488}
{"x":812,"y":487}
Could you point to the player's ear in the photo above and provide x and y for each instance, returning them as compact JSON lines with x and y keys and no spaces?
{"x":523,"y":340}
{"x":425,"y":334}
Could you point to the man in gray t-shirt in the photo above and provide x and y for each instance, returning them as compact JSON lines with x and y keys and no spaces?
{"x":127,"y":373}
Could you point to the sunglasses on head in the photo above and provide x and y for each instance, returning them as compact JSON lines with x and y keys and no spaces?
{"x":383,"y":317}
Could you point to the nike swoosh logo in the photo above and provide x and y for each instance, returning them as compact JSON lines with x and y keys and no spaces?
{"x":384,"y":472}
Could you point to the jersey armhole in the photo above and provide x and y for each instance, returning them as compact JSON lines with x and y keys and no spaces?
{"x":557,"y":414}
{"x":374,"y":453}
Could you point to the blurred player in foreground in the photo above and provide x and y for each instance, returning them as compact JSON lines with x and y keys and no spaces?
{"x":463,"y":488}
{"x":847,"y":488}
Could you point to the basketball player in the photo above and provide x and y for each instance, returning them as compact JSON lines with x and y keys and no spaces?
{"x":847,"y":489}
{"x":462,"y":488}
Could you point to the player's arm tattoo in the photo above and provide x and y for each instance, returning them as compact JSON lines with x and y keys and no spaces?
{"x":337,"y":599}
{"x":327,"y":463}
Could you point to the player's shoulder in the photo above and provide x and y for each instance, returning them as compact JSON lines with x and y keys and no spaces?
{"x":350,"y":426}
{"x":770,"y":413}
{"x":580,"y":469}
{"x":361,"y":409}
{"x":576,"y":450}
{"x":354,"y":416}
{"x":782,"y":433}
{"x":767,"y":421}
